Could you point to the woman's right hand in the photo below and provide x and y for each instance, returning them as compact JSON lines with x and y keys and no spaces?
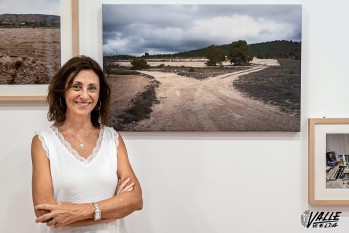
{"x":125,"y":186}
{"x":65,"y":213}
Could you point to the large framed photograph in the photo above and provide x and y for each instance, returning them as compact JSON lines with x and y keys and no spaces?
{"x":328,"y":161}
{"x":30,"y":48}
{"x":197,"y":67}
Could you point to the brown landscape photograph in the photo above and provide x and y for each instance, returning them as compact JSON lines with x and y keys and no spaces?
{"x":203,"y":67}
{"x":30,"y":44}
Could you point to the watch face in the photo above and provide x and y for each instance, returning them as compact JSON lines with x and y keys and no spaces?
{"x":97,"y":215}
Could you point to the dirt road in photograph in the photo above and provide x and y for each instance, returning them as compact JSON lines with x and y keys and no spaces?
{"x":211,"y":105}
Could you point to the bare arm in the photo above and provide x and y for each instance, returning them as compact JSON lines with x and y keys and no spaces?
{"x":124,"y":203}
{"x":42,"y":190}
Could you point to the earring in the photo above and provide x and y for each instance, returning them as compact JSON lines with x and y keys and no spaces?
{"x":99,"y":107}
{"x":60,"y":102}
{"x":99,"y":118}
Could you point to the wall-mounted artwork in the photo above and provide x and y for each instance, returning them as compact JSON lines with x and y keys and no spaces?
{"x":329,"y":161}
{"x":203,"y":67}
{"x":30,"y":44}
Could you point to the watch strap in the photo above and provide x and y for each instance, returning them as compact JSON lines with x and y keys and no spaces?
{"x":98,"y":213}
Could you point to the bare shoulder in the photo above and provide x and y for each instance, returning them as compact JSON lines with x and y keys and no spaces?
{"x":121,"y":141}
{"x":36,"y":143}
{"x":121,"y":150}
{"x":37,"y":149}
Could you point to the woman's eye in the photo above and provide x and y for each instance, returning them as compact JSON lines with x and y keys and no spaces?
{"x":76,"y":87}
{"x":93,"y":88}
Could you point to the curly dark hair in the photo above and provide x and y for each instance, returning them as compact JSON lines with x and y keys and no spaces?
{"x":58,"y":86}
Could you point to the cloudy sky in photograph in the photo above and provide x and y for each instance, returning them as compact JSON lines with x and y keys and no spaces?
{"x":160,"y":29}
{"x":48,"y":7}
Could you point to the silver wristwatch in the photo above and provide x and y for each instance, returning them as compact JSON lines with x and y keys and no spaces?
{"x":98,"y":212}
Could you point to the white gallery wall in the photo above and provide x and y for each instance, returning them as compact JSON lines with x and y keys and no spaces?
{"x":203,"y":182}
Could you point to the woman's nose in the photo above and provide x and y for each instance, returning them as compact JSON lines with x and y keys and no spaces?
{"x":83,"y":94}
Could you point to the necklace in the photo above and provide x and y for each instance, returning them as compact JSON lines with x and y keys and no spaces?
{"x":81,"y":142}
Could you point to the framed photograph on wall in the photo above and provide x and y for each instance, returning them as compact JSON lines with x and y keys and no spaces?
{"x":30,"y":48}
{"x":200,"y":67}
{"x":328,"y":161}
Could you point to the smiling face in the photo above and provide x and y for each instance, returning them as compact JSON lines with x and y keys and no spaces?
{"x":82,"y":95}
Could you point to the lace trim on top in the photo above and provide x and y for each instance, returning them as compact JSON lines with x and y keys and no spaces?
{"x":74,"y":152}
{"x":43,"y":143}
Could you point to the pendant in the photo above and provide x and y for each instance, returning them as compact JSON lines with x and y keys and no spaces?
{"x":81,"y":145}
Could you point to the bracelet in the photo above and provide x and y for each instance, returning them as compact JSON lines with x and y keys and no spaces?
{"x":98,"y":213}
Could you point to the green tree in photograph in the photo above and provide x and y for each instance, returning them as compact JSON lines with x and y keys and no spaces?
{"x":239,"y":53}
{"x":214,"y":55}
{"x":139,"y":64}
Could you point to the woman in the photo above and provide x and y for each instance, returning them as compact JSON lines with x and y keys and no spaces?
{"x":82,"y":179}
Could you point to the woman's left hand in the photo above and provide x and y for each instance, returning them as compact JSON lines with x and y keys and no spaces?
{"x":63,"y":213}
{"x":125,"y":186}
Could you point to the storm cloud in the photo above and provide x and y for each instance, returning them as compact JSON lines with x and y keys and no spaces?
{"x":161,"y":29}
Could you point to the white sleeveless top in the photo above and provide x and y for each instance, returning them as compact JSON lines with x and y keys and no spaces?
{"x":79,"y":180}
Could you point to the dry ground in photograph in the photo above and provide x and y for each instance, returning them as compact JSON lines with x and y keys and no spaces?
{"x":276,"y":85}
{"x":29,"y":55}
{"x":205,"y":99}
{"x":124,"y":92}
